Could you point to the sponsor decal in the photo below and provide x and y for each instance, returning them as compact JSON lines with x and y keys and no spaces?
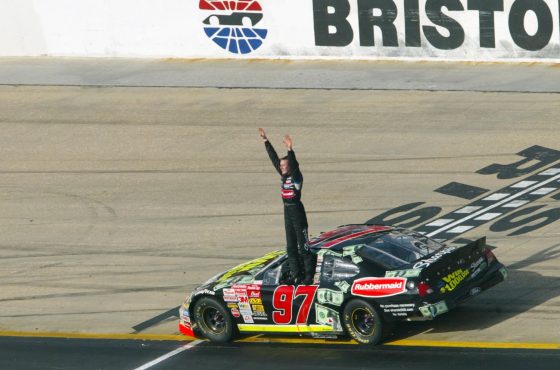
{"x":247,"y":286}
{"x":232,"y":305}
{"x":244,"y":306}
{"x":258,"y":307}
{"x":230,"y":298}
{"x":477,"y":263}
{"x":228,"y":291}
{"x":328,"y":296}
{"x":255,"y":301}
{"x":351,"y":252}
{"x":477,"y":267}
{"x":260,"y":314}
{"x":234,"y":25}
{"x":288,"y":194}
{"x":248,"y":319}
{"x":402,"y":309}
{"x":254,"y":294}
{"x":205,"y":291}
{"x":184,"y":312}
{"x":342,"y":285}
{"x":327,"y":316}
{"x":240,"y":292}
{"x":427,"y":262}
{"x":378,"y":287}
{"x":235,"y":312}
{"x":404,"y":273}
{"x":243,"y":299}
{"x":452,"y":280}
{"x":480,"y":268}
{"x":434,"y":310}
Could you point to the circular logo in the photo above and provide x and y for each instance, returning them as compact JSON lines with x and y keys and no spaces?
{"x":232,"y":25}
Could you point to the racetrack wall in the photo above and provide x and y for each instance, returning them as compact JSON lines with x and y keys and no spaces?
{"x":471,"y":30}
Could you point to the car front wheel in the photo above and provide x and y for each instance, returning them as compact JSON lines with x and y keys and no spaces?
{"x":213,"y":320}
{"x":362,"y":322}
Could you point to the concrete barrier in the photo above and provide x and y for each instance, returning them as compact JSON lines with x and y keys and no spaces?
{"x":473,"y":30}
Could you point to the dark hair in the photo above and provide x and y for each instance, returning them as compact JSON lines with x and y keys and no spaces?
{"x":284,"y":158}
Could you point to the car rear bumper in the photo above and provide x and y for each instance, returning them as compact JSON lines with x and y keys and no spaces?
{"x":494,"y":276}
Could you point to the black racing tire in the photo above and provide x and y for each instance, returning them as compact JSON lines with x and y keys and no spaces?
{"x":362,"y":322}
{"x":213,"y":320}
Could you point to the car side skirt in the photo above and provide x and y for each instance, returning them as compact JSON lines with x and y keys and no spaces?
{"x":269,"y":328}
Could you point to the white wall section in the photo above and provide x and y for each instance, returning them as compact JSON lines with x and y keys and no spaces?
{"x":474,"y":30}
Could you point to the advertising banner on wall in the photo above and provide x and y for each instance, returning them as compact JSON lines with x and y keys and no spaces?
{"x":474,"y":30}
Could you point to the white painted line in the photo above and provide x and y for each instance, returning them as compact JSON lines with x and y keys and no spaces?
{"x":460,"y":229}
{"x":468,"y":209}
{"x":523,"y":184}
{"x":440,"y":222}
{"x":488,"y":216}
{"x":168,"y":355}
{"x":497,"y":196}
{"x":543,"y":191}
{"x":492,"y":206}
{"x":516,"y":203}
{"x":550,"y":172}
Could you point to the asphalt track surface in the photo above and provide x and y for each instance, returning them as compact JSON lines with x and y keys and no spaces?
{"x":126,"y":183}
{"x":37,"y":353}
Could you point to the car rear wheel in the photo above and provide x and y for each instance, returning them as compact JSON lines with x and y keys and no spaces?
{"x":214,"y":322}
{"x":362,"y":322}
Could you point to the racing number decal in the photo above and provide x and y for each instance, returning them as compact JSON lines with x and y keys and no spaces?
{"x":308,"y":291}
{"x":283,"y":303}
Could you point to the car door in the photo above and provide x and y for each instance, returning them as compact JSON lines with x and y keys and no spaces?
{"x":335,"y":274}
{"x":288,"y":307}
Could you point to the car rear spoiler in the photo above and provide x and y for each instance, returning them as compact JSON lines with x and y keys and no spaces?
{"x":447,"y":256}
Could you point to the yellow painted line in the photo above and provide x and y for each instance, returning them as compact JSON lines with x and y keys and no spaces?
{"x":410,"y":343}
{"x":176,"y":337}
{"x":264,"y":339}
{"x":486,"y":345}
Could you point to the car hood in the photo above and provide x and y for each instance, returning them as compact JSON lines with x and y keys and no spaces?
{"x":242,"y":274}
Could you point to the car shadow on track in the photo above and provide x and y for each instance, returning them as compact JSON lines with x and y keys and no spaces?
{"x":521,"y":292}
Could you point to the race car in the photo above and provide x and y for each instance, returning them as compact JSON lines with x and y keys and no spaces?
{"x":366,"y":275}
{"x":234,"y":19}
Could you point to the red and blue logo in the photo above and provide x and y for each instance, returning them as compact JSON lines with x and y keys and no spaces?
{"x":232,"y":25}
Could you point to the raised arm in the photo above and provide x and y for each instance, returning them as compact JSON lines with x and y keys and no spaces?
{"x":270,"y":150}
{"x":294,"y":165}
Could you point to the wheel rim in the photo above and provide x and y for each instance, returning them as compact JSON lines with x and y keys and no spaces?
{"x":214,"y":319}
{"x":363,"y":321}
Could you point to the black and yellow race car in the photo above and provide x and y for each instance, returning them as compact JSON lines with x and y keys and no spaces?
{"x":366,"y":275}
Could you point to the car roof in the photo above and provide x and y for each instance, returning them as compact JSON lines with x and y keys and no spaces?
{"x":334,"y":239}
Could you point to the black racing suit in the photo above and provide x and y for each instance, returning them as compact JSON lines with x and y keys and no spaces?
{"x":295,"y":219}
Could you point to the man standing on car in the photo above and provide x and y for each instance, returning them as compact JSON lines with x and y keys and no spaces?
{"x":295,"y":219}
